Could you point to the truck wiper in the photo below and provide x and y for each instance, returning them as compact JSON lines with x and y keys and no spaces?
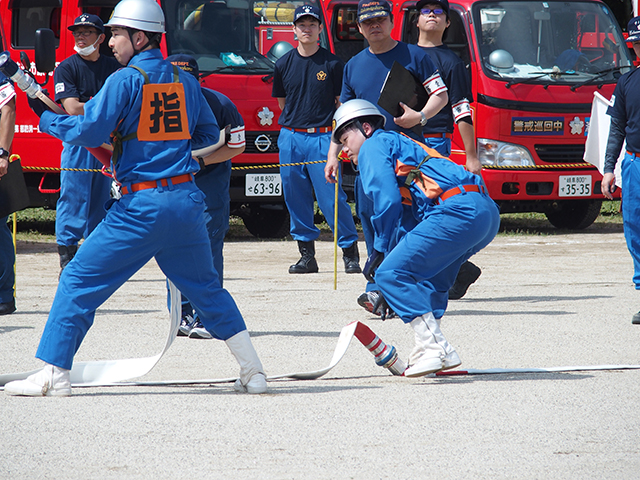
{"x":597,"y":76}
{"x":556,"y":72}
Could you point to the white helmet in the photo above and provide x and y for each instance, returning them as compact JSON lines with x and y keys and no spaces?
{"x":349,"y":112}
{"x":144,"y":15}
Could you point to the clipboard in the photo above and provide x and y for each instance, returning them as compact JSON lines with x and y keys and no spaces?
{"x":13,"y":190}
{"x":402,"y":86}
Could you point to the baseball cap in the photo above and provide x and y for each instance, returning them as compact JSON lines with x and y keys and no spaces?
{"x":88,"y":20}
{"x":373,"y":8}
{"x":633,"y":29}
{"x":186,"y":63}
{"x":443,"y":3}
{"x":306,"y":10}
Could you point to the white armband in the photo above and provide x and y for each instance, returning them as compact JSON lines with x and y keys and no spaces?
{"x":434,"y":84}
{"x":7,"y":92}
{"x":461,"y":109}
{"x":236,"y":137}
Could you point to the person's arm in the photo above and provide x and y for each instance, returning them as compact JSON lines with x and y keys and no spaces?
{"x":7,"y":129}
{"x":614,"y":145}
{"x":331,"y":167}
{"x":438,"y":98}
{"x":234,"y":146}
{"x":73,"y":105}
{"x":281,"y":102}
{"x":465,"y":127}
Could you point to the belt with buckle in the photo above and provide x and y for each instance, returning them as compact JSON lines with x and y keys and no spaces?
{"x":437,"y":135}
{"x":311,"y":130}
{"x":136,"y":187}
{"x":634,"y":154}
{"x":452,"y":192}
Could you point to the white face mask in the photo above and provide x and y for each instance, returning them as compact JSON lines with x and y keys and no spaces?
{"x":86,"y":51}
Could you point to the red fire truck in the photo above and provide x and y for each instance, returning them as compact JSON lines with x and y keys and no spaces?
{"x":531,"y":116}
{"x":235,"y":42}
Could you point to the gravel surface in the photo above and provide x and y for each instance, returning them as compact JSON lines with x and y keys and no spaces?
{"x":542,"y":301}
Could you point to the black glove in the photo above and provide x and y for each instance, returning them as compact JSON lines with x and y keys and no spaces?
{"x":382,"y":308}
{"x":37,"y":105}
{"x":372,"y":264}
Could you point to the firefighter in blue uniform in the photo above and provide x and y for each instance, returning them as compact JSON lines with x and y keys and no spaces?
{"x":433,"y":24}
{"x":307,"y":83}
{"x":82,"y":194}
{"x":625,"y":118}
{"x":153,"y":112}
{"x":213,"y":179}
{"x":454,"y":218}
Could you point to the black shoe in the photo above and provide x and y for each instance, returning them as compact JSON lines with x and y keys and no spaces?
{"x":351,"y":258}
{"x":7,"y":308}
{"x":467,"y":274}
{"x":636,"y":319}
{"x":66,"y":252}
{"x":307,"y":263}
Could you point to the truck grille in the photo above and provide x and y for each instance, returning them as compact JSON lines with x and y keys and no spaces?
{"x":560,"y":153}
{"x":262,"y":142}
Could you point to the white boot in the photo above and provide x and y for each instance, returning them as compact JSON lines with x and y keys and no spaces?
{"x":50,"y":381}
{"x":432,"y":352}
{"x":252,"y":378}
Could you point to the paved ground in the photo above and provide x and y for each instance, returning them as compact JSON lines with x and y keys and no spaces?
{"x":542,"y":301}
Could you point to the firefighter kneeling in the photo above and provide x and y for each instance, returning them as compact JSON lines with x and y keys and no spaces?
{"x":430,"y":216}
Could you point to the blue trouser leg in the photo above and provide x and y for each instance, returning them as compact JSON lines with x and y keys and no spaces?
{"x":297,"y":187}
{"x":136,"y":228}
{"x":82,"y":196}
{"x":416,"y":275}
{"x":631,"y":211}
{"x":214,"y":183}
{"x":7,"y":262}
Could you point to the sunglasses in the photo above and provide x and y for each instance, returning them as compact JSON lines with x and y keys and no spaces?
{"x":436,"y":11}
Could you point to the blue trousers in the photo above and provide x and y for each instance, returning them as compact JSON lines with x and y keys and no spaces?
{"x":415,"y":277}
{"x":7,"y":262}
{"x":439,"y":144}
{"x":300,"y":182}
{"x":82,"y":196}
{"x":166,"y":223}
{"x":214,"y":183}
{"x":631,"y":211}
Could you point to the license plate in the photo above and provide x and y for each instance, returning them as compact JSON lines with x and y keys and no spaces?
{"x":263,"y":185}
{"x":574,"y":186}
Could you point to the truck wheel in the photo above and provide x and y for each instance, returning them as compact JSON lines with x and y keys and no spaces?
{"x":574,"y":214}
{"x":267,"y":221}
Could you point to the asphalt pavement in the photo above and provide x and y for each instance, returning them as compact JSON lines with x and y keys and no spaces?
{"x":559,"y":300}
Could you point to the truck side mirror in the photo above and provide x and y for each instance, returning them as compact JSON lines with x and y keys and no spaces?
{"x":45,"y":46}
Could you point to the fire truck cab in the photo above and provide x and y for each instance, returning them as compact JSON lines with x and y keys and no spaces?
{"x":534,"y":67}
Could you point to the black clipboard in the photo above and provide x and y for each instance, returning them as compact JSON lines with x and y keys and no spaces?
{"x":13,"y":190}
{"x":402,"y":86}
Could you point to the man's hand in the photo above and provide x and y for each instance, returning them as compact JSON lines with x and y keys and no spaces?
{"x":608,"y":185}
{"x":4,"y":166}
{"x":372,"y":264}
{"x":473,"y":164}
{"x":409,"y":118}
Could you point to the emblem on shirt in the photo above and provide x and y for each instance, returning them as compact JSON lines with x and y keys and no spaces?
{"x":576,"y":126}
{"x":321,"y":76}
{"x":59,"y":87}
{"x":265,"y":116}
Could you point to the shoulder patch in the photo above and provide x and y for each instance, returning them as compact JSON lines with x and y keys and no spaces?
{"x":59,"y":87}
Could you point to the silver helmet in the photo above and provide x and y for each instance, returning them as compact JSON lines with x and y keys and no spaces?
{"x":144,"y":15}
{"x":501,"y":61}
{"x":351,"y":111}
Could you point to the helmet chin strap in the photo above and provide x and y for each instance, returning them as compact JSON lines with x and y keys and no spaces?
{"x":131,"y":32}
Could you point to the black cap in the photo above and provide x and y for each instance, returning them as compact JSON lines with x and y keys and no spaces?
{"x":306,"y":11}
{"x":186,"y":63}
{"x":88,"y":20}
{"x":373,"y":8}
{"x":443,"y":3}
{"x":633,"y":29}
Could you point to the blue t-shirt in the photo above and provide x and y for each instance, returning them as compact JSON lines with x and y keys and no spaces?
{"x":365,"y":73}
{"x":626,"y":107}
{"x":456,"y":78}
{"x":223,"y":109}
{"x":78,"y":78}
{"x":310,"y":86}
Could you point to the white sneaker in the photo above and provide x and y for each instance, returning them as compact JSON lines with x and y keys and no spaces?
{"x":198,"y":330}
{"x":256,"y":384}
{"x":451,"y":360}
{"x":425,"y":366}
{"x":51,"y":381}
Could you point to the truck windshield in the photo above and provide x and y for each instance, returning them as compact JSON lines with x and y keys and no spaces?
{"x":550,"y":42}
{"x":231,"y":36}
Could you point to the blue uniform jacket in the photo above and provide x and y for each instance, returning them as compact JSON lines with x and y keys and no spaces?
{"x":385,"y":160}
{"x":118,"y":104}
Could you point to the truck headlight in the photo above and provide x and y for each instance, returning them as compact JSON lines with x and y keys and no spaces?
{"x":502,"y":154}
